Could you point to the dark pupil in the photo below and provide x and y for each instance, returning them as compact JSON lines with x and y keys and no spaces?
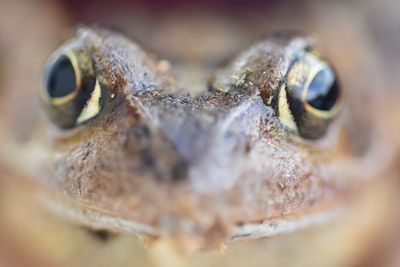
{"x":323,"y":91}
{"x":61,"y":79}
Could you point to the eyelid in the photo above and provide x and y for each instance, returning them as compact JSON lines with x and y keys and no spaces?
{"x":92,"y":106}
{"x":285,"y":115}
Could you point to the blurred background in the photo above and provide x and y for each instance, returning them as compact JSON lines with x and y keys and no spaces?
{"x":361,"y":37}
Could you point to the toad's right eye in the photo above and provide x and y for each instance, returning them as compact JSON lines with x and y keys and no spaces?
{"x":71,"y":91}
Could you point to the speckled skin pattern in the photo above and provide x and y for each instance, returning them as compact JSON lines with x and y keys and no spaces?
{"x":360,"y":41}
{"x":198,"y":163}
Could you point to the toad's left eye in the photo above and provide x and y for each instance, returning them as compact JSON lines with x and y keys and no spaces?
{"x":309,"y":99}
{"x":71,"y":92}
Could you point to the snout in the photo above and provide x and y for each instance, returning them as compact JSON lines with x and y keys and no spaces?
{"x":210,"y":139}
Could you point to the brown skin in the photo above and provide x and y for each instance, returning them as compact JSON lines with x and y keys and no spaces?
{"x":199,"y":164}
{"x":32,"y":236}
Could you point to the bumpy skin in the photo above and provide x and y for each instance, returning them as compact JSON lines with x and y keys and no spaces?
{"x":181,"y":164}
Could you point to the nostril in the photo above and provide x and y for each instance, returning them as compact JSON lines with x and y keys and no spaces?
{"x":136,"y":142}
{"x":151,"y":153}
{"x":139,"y":131}
{"x":179,"y":171}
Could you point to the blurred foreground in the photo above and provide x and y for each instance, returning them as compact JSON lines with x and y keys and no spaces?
{"x":361,"y":36}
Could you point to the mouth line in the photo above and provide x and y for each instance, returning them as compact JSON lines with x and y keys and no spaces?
{"x":246,"y":231}
{"x":285,"y":225}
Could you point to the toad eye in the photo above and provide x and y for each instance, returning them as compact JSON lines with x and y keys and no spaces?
{"x":61,"y":80}
{"x":322,"y":92}
{"x":71,"y":92}
{"x":310,"y":98}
